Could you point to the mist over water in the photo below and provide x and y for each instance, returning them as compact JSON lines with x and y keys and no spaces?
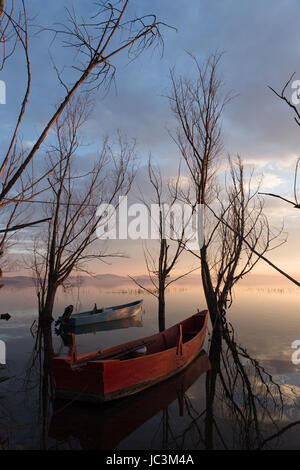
{"x":265,"y":320}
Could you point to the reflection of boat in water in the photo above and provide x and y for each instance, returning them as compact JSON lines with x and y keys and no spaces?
{"x":105,"y":426}
{"x":130,"y":322}
{"x":100,"y":315}
{"x":129,"y":368}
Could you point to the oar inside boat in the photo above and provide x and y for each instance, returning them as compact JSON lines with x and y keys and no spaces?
{"x":135,"y":350}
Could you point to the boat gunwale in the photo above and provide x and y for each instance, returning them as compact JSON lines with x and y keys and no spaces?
{"x":85,"y":357}
{"x":105,"y":309}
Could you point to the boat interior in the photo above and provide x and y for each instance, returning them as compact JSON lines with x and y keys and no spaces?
{"x":100,"y":310}
{"x":170,"y":338}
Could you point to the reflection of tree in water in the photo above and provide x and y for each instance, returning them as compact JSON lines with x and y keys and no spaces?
{"x":244,"y":407}
{"x":38,"y":377}
{"x":246,"y":394}
{"x":6,"y":418}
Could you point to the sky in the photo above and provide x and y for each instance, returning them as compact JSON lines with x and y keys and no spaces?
{"x":260,"y":41}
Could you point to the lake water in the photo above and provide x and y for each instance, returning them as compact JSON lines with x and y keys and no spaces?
{"x":251,"y":400}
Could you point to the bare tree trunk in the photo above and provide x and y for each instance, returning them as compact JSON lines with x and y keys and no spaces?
{"x":46,"y":310}
{"x":210,"y":296}
{"x":1,"y":7}
{"x":161,"y":306}
{"x":48,"y":353}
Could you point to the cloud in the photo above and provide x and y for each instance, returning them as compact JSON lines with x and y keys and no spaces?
{"x":271,"y":181}
{"x":261,"y":42}
{"x":28,"y":144}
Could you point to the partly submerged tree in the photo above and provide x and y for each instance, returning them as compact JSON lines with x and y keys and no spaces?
{"x":70,"y":241}
{"x":172,"y":229}
{"x":236,"y":232}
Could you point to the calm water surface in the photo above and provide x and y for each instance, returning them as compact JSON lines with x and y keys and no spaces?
{"x":249,"y":399}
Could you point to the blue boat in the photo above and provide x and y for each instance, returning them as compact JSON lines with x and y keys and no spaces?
{"x":117,"y":312}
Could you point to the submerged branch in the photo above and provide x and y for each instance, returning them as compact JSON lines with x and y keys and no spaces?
{"x":261,"y":256}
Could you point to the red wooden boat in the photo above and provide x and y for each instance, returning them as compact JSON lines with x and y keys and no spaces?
{"x":105,"y":426}
{"x":128,"y":368}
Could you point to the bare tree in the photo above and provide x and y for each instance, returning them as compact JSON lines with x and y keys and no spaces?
{"x":109,"y":31}
{"x":237,"y":215}
{"x":282,"y":95}
{"x":70,"y":242}
{"x":160,"y":267}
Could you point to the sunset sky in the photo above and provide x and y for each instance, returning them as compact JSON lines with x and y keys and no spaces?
{"x":260,"y":41}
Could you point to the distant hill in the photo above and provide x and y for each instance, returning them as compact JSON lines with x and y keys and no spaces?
{"x":100,"y":280}
{"x":106,"y":281}
{"x":18,"y":281}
